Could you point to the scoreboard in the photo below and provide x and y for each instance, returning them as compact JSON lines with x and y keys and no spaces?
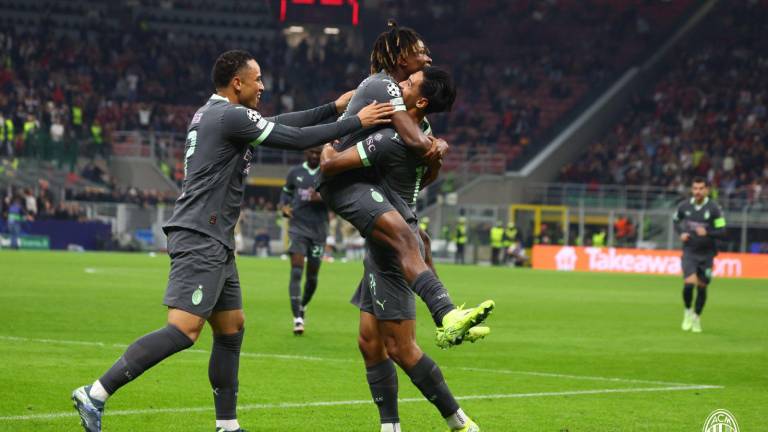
{"x":325,"y":12}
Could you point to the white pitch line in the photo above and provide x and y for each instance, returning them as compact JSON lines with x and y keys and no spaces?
{"x":119,"y":345}
{"x":336,"y":360}
{"x":575,"y":377}
{"x":289,"y":405}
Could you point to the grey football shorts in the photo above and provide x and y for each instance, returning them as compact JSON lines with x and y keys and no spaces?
{"x":203,"y":276}
{"x":357,"y":203}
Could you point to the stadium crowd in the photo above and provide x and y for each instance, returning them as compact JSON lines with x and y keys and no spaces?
{"x":33,"y":205}
{"x":67,"y":95}
{"x":707,"y":116}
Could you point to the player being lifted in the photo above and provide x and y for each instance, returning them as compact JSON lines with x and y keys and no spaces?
{"x":355,"y":196}
{"x":308,"y":230}
{"x":203,"y":283}
{"x":700,"y":223}
{"x":386,"y":302}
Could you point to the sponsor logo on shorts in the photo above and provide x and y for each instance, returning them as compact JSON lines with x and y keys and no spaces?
{"x":197,"y":296}
{"x":381,"y":303}
{"x":376,"y":196}
{"x":720,"y":421}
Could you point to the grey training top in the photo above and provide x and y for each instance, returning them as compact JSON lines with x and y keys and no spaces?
{"x":217,"y":158}
{"x":310,"y":218}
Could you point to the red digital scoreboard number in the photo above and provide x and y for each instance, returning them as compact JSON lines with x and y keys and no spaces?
{"x":353,"y":5}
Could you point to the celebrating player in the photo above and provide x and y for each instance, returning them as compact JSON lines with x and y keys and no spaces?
{"x":203,"y":283}
{"x":308,"y":229}
{"x":386,"y":302}
{"x":699,"y":222}
{"x":356,"y":196}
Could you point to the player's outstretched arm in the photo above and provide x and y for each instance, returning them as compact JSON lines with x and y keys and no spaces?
{"x":316,"y":115}
{"x":308,"y":117}
{"x":333,"y":162}
{"x":244,"y":124}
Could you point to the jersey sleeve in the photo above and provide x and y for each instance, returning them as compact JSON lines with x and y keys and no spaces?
{"x":307,"y":117}
{"x":377,"y":152}
{"x":244,"y":124}
{"x":678,"y":220}
{"x":717,"y":229}
{"x":286,"y":194}
{"x":385,"y":90}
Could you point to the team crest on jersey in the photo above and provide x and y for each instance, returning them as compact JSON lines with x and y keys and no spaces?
{"x":393,"y":89}
{"x":706,"y":214}
{"x":254,"y":116}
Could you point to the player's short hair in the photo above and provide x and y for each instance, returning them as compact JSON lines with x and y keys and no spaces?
{"x":699,"y":179}
{"x":391,"y":45}
{"x":227,"y":66}
{"x":439,"y":89}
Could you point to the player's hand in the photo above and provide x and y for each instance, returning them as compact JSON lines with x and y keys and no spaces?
{"x":684,"y":237}
{"x":327,"y":154}
{"x":287,"y":211}
{"x":438,"y":150}
{"x":376,"y":114}
{"x":343,"y":101}
{"x":701,"y":231}
{"x":433,"y":170}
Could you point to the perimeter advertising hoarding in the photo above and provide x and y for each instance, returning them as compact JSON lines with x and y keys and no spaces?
{"x":667,"y":262}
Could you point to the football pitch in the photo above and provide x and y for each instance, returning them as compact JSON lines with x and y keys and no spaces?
{"x":568,"y":351}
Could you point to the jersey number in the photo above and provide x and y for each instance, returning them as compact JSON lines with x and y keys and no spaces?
{"x":191,"y":144}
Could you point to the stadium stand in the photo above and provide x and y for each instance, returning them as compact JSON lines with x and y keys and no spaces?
{"x":705,"y":117}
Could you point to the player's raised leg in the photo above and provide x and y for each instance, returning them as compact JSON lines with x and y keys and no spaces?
{"x":453,"y":323}
{"x":180,"y":333}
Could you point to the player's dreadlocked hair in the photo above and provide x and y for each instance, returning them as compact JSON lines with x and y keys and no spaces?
{"x":391,"y":45}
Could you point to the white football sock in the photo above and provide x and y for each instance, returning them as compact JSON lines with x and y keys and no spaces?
{"x":97,"y":392}
{"x":390,"y":427}
{"x":230,"y":425}
{"x":457,"y":420}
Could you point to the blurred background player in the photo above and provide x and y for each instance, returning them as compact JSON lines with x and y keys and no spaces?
{"x":386,"y":302}
{"x":700,"y":223}
{"x":203,"y":284}
{"x":308,"y":219}
{"x":460,"y":237}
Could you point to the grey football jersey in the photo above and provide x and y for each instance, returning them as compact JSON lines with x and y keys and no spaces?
{"x":217,"y":158}
{"x":708,"y":215}
{"x":310,"y":218}
{"x":379,"y":87}
{"x":400,"y":173}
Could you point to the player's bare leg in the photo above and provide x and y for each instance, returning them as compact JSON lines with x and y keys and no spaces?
{"x":400,"y":341}
{"x":453,"y":323}
{"x":380,"y":372}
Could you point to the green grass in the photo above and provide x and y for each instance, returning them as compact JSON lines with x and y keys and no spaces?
{"x":569,"y":325}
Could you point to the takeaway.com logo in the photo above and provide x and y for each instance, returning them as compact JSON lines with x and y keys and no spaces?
{"x":569,"y":258}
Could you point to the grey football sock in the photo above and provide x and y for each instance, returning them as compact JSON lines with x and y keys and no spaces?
{"x":294,"y":289}
{"x":222,"y":373}
{"x":433,"y":293}
{"x":426,"y":375}
{"x":382,"y":379}
{"x":141,"y":355}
